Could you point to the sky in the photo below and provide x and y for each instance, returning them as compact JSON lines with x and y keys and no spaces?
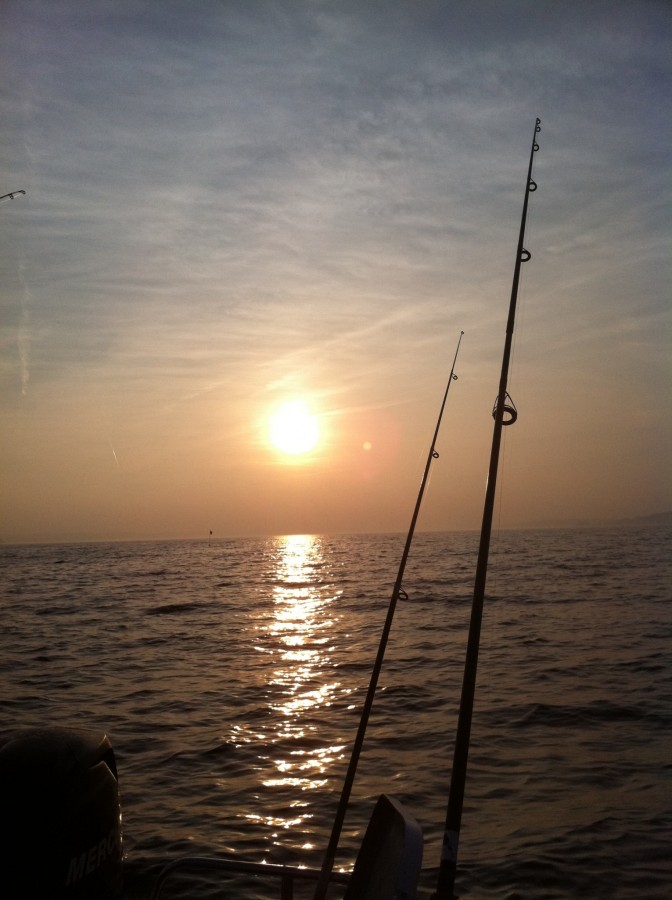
{"x":231,"y":205}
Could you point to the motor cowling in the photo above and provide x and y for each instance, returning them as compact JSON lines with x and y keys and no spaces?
{"x":62,"y":814}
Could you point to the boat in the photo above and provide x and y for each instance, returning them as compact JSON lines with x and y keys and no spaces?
{"x":60,"y":786}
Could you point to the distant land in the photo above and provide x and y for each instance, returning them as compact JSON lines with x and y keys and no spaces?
{"x":653,"y":519}
{"x":663,"y":518}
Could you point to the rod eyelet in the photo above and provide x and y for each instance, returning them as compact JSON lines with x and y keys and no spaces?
{"x":512,"y":413}
{"x":509,"y":411}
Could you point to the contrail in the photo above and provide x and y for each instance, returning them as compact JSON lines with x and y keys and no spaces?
{"x":23,"y":337}
{"x":113,"y":452}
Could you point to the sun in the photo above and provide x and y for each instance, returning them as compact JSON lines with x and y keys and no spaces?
{"x":294,"y":429}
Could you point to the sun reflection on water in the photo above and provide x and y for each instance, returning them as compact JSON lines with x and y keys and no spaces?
{"x":301,"y":626}
{"x":298,"y":636}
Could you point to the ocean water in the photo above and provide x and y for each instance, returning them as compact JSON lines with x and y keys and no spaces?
{"x":229,"y":677}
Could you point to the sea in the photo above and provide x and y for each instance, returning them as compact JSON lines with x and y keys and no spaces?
{"x":229,"y":676}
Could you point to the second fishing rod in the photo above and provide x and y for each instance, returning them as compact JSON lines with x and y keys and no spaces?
{"x":397,"y":592}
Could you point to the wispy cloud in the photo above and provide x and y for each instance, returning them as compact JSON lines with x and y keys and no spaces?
{"x":229,"y":201}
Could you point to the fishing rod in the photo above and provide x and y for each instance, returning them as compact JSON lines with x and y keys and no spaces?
{"x":504,"y":413}
{"x":397,"y":592}
{"x":11,"y":195}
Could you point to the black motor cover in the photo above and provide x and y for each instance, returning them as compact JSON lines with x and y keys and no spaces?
{"x":61,"y":815}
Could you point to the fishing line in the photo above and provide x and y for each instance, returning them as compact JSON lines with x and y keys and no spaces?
{"x":397,"y":592}
{"x":519,"y":334}
{"x":521,"y":313}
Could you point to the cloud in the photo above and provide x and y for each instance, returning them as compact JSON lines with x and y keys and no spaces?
{"x":231,"y":200}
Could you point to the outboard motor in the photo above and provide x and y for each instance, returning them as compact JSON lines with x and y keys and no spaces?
{"x":60,"y":806}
